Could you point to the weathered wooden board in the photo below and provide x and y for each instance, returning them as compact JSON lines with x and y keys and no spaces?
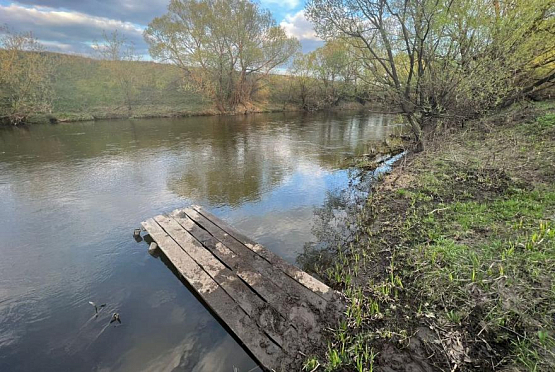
{"x":244,"y":257}
{"x":274,"y":308}
{"x":303,"y":278}
{"x":287,"y":297}
{"x":264,"y":349}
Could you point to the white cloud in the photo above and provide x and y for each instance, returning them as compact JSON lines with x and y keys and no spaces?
{"x":298,"y":26}
{"x":59,"y":29}
{"x":137,"y":11}
{"x":51,"y":17}
{"x":57,"y":46}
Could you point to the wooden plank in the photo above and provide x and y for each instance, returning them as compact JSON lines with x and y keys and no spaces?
{"x":243,"y":257}
{"x":267,"y":353}
{"x":213,"y":267}
{"x":300,"y":276}
{"x":273,"y":307}
{"x":289,"y":303}
{"x":265,"y":288}
{"x":273,"y":323}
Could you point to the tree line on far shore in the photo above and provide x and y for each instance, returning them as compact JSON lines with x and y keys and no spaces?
{"x":440,"y":62}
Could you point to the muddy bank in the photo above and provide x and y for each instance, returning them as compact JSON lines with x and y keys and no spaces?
{"x":449,"y":262}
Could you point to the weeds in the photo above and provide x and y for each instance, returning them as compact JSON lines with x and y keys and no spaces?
{"x":461,"y":259}
{"x":311,"y":364}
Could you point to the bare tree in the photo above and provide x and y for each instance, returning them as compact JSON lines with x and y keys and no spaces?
{"x":445,"y":59}
{"x":117,"y":53}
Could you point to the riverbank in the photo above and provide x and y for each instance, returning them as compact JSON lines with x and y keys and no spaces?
{"x":144,"y":112}
{"x":85,"y":89}
{"x":451,"y":263}
{"x":151,"y":111}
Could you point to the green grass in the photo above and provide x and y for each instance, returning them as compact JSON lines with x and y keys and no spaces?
{"x":84,"y":89}
{"x":459,"y":258}
{"x":545,"y":122}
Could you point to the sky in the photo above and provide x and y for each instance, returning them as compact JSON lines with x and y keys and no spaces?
{"x":72,"y":26}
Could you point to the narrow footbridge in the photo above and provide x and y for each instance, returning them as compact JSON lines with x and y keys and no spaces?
{"x":274,"y":309}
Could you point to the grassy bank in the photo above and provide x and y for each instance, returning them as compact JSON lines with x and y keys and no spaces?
{"x":451,"y":264}
{"x":85,"y":89}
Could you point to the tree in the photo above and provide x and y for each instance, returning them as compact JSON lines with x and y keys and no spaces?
{"x":325,"y":76}
{"x":25,"y":76}
{"x":116,"y":52}
{"x":444,"y":60}
{"x":526,"y":30}
{"x":303,"y":85}
{"x":387,"y":31}
{"x":224,"y":47}
{"x":338,"y":69}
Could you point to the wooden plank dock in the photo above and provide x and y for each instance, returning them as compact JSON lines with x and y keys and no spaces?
{"x":273,"y":308}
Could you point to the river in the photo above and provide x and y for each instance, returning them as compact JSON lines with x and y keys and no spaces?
{"x":71,"y":195}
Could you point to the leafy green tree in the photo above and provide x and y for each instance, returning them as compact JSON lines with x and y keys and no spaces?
{"x":224,"y":47}
{"x":326,"y":76}
{"x":337,"y":67}
{"x":304,"y":83}
{"x":525,"y":33}
{"x":26,"y":75}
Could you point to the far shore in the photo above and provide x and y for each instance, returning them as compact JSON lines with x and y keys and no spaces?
{"x":142,"y":112}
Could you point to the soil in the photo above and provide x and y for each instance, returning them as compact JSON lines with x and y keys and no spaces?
{"x":488,"y":162}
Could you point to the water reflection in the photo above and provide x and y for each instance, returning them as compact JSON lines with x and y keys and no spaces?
{"x":71,"y":195}
{"x":248,"y":163}
{"x":335,"y":223}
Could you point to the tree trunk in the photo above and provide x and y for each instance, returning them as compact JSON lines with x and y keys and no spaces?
{"x":509,"y":101}
{"x":417,"y":131}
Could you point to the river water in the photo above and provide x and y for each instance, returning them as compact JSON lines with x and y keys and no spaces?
{"x":71,"y":195}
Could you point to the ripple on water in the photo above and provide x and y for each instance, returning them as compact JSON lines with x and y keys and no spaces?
{"x":71,"y":195}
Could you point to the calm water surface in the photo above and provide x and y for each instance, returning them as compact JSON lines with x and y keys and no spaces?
{"x":71,"y":195}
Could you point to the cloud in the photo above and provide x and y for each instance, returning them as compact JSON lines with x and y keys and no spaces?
{"x":296,"y":25}
{"x":67,"y":31}
{"x":71,"y":26}
{"x":135,"y":11}
{"x":56,"y":46}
